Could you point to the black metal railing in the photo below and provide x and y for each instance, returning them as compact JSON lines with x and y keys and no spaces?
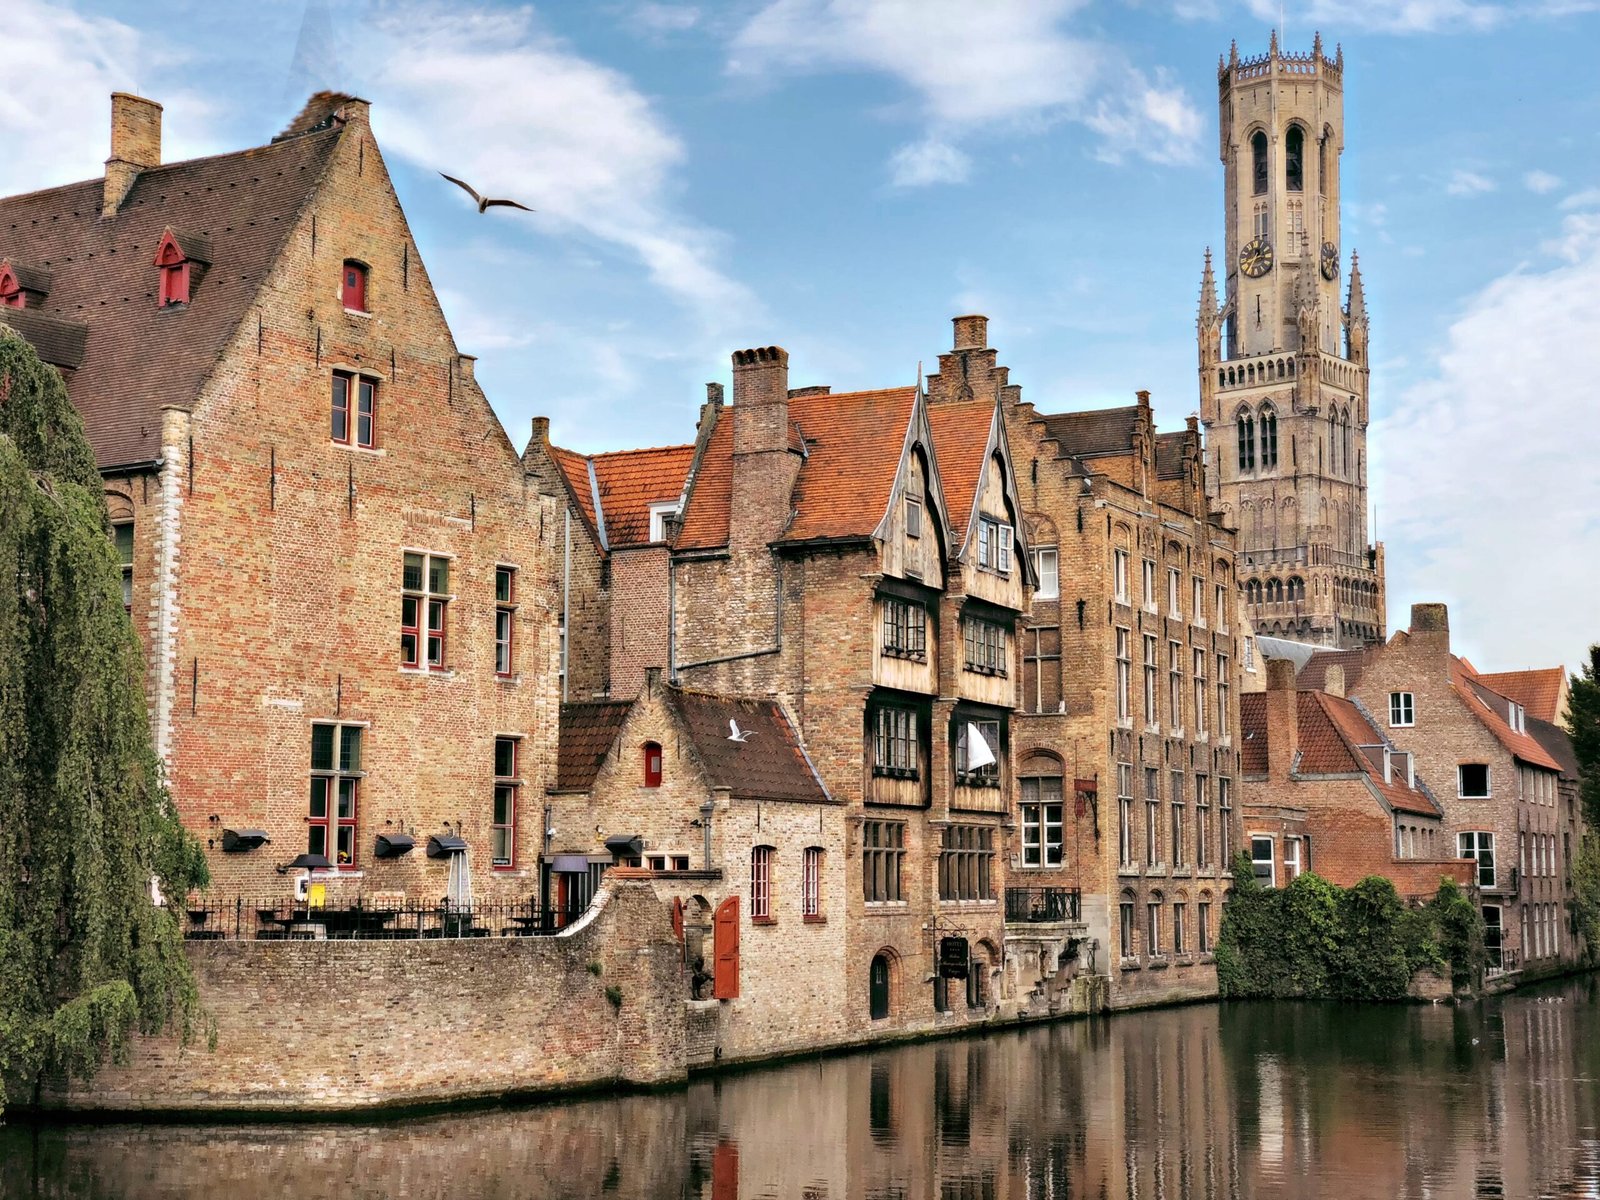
{"x":242,"y":918}
{"x":1042,"y":904}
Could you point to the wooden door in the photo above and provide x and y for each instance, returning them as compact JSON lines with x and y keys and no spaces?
{"x":725,"y":934}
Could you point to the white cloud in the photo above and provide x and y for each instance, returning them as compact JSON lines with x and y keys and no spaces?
{"x":1588,"y":198}
{"x":1386,"y":16}
{"x":489,"y":97}
{"x":55,"y":110}
{"x":1488,"y":466}
{"x":1468,"y":183}
{"x":657,"y":18}
{"x":1541,"y":181}
{"x":928,"y":161}
{"x":1009,"y":65}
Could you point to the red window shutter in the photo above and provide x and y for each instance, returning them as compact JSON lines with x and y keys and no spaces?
{"x":677,"y":918}
{"x":354,"y":287}
{"x":725,"y":934}
{"x":725,"y":1171}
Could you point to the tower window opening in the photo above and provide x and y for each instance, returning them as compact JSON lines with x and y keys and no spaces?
{"x":1258,"y":159}
{"x":1247,"y":443}
{"x":1322,"y":165}
{"x":1294,"y":144}
{"x":1269,"y":438}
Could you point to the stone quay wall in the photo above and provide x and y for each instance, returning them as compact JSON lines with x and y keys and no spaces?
{"x":337,"y":1026}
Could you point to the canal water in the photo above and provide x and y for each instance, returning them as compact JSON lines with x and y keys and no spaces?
{"x":1500,"y":1099}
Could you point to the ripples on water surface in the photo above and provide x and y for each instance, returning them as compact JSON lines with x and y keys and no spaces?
{"x":1285,"y":1100}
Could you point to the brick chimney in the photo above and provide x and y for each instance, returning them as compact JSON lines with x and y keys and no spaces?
{"x":541,"y":431}
{"x":972,"y":332}
{"x":135,"y":146}
{"x":1430,"y":626}
{"x":1333,"y":681}
{"x":763,"y":468}
{"x":1283,"y":719}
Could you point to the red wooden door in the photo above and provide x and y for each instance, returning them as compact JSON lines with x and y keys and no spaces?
{"x":677,"y":918}
{"x":725,"y":934}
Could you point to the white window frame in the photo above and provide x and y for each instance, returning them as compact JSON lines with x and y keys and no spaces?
{"x":1198,"y":617}
{"x":994,"y":546}
{"x":1402,"y":705}
{"x":1049,"y":580}
{"x":1291,"y":859}
{"x":913,"y":516}
{"x":1471,"y":843}
{"x":1119,"y":576}
{"x":658,"y":519}
{"x":1272,"y":861}
{"x":1488,"y":782}
{"x":1149,"y":580}
{"x":1174,"y":594}
{"x":1124,"y":676}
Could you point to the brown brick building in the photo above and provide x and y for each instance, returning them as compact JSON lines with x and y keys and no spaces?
{"x":1130,"y":676}
{"x":339,"y":572}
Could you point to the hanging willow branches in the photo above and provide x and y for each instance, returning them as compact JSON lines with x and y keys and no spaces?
{"x":86,"y":956}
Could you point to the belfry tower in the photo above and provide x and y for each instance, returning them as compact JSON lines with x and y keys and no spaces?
{"x":1283,"y":367}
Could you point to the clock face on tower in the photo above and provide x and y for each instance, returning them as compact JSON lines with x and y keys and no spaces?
{"x":1255,"y":260}
{"x":1330,"y":261}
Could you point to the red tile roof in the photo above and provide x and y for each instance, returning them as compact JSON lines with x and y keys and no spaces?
{"x":1492,"y":709}
{"x":138,"y":358}
{"x":587,"y":731}
{"x":960,"y":436}
{"x":705,"y":515}
{"x":629,"y":482}
{"x":1253,"y":733}
{"x":1539,"y":691}
{"x":574,"y":469}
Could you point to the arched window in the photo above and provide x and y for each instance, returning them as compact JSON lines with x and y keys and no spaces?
{"x":1125,"y":925}
{"x":1294,"y":145}
{"x":11,"y":295}
{"x":1247,"y":442}
{"x":1274,"y":590}
{"x":652,"y":764}
{"x":1297,"y":588}
{"x":174,"y":267}
{"x":1269,"y":437}
{"x":881,"y":985}
{"x":1333,"y":440}
{"x":1258,"y":161}
{"x":353,"y":286}
{"x":1344,"y":423}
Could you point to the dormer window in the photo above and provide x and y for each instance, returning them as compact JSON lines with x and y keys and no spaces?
{"x":660,"y":514}
{"x":353,"y":287}
{"x":11,"y":295}
{"x":173,"y":263}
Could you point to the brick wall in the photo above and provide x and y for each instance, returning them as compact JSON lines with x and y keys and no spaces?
{"x":310,"y":1026}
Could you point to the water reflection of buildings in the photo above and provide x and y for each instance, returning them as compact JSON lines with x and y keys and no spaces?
{"x":1201,"y":1103}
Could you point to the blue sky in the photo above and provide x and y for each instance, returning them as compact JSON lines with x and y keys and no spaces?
{"x":843,"y":176}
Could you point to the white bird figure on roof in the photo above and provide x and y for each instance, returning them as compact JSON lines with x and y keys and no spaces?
{"x":484,"y":203}
{"x":735,"y":734}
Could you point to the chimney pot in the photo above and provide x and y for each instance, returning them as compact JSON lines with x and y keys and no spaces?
{"x":1283,"y":719}
{"x":714,"y":393}
{"x":541,"y":431}
{"x":972,"y":332}
{"x":1432,"y":618}
{"x":1333,"y":681}
{"x":135,"y":146}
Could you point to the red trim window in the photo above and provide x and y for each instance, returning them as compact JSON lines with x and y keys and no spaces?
{"x":424,"y":601}
{"x":173,"y":264}
{"x":505,"y":602}
{"x":336,"y":776}
{"x":811,"y":883}
{"x":353,"y":286}
{"x":652,"y":764}
{"x":502,"y":829}
{"x":11,"y":295}
{"x":363,"y":423}
{"x":761,"y":884}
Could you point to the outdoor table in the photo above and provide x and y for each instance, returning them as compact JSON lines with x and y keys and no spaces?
{"x":526,"y":924}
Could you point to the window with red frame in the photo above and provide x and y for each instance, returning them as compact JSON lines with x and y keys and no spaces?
{"x":336,"y":776}
{"x":353,"y":286}
{"x":174,"y":267}
{"x":11,"y":295}
{"x":361,"y":426}
{"x":811,"y":883}
{"x":502,"y":829}
{"x":761,"y":883}
{"x":424,"y":602}
{"x":505,"y":598}
{"x":652,"y":764}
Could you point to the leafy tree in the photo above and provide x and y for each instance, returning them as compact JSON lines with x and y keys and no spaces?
{"x":86,"y":956}
{"x":1459,"y":928}
{"x":1583,"y":726}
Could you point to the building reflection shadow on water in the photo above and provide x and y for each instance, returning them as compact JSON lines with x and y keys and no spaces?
{"x":1264,"y":1100}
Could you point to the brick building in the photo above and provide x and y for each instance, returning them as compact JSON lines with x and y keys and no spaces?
{"x":1322,"y":789}
{"x":335,"y":563}
{"x":1500,"y":789}
{"x":1130,"y":680}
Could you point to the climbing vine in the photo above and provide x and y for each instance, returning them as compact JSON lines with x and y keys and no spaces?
{"x":86,"y":955}
{"x":1317,"y":940}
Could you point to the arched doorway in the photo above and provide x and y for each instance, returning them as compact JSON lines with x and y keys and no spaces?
{"x":881,"y":985}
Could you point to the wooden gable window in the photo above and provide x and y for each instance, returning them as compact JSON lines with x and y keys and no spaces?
{"x":353,"y":286}
{"x":652,"y":764}
{"x":360,"y":427}
{"x":173,"y":264}
{"x":11,"y":295}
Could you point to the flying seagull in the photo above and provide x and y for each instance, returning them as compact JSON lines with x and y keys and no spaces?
{"x":484,"y":203}
{"x":735,"y":734}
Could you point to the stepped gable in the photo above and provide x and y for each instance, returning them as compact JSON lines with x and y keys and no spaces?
{"x":138,"y":358}
{"x":768,"y":765}
{"x":1538,"y":691}
{"x":588,"y":730}
{"x":960,"y":438}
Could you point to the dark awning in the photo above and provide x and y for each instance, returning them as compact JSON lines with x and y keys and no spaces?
{"x":443,"y":845}
{"x":570,"y":864}
{"x":625,"y":843}
{"x":237,"y":841}
{"x":393,"y":845}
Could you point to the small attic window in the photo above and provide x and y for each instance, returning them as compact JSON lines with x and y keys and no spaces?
{"x":11,"y":295}
{"x":174,"y":267}
{"x":353,"y":286}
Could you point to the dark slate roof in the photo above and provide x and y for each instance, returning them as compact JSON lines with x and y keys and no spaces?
{"x":588,"y":729}
{"x":57,"y":341}
{"x":138,"y":358}
{"x":1097,"y":432}
{"x":768,"y":765}
{"x":1169,"y":454}
{"x":1556,"y":742}
{"x":31,"y":278}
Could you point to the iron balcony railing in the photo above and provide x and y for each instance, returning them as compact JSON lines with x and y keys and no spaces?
{"x":242,"y":918}
{"x":1042,"y":904}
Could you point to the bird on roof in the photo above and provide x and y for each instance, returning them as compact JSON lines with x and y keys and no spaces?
{"x":484,"y":203}
{"x":735,"y":734}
